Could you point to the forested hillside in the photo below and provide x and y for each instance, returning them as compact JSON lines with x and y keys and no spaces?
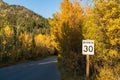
{"x":19,"y":16}
{"x":22,"y":34}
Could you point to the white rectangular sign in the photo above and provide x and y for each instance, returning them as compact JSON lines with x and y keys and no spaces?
{"x":88,"y":47}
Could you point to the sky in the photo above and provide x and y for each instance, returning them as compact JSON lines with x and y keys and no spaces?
{"x":44,"y":8}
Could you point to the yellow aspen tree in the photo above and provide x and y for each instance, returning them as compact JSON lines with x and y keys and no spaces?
{"x":107,"y":19}
{"x":66,"y":29}
{"x":25,"y":41}
{"x":8,"y":31}
{"x":91,"y":31}
{"x":44,"y":44}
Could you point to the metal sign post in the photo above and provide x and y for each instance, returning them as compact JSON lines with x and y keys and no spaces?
{"x":87,"y":49}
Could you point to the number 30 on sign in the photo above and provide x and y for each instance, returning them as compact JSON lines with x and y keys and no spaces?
{"x":88,"y":47}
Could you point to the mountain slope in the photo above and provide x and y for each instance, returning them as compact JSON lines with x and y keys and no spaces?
{"x":20,"y":16}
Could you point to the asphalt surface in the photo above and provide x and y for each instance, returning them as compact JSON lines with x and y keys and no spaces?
{"x":37,"y":70}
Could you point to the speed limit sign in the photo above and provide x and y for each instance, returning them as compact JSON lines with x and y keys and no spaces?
{"x":88,"y":47}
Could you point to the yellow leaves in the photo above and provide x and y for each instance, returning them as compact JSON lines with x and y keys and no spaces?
{"x":66,"y":30}
{"x":109,"y":19}
{"x":4,"y":42}
{"x":109,"y":73}
{"x":105,"y":10}
{"x":39,"y":40}
{"x":106,"y":73}
{"x":67,"y":23}
{"x":65,"y":8}
{"x":8,"y":31}
{"x":25,"y":38}
{"x":115,"y":41}
{"x":113,"y":24}
{"x":103,"y":25}
{"x":114,"y":31}
{"x":44,"y":41}
{"x":113,"y":53}
{"x":71,"y":13}
{"x":53,"y":43}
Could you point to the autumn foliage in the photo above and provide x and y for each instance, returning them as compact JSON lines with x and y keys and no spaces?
{"x":23,"y":46}
{"x":98,"y":22}
{"x":67,"y":31}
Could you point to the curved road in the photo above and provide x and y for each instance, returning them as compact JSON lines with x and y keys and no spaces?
{"x":37,"y":70}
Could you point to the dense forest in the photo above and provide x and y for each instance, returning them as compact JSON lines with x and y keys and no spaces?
{"x":22,"y":34}
{"x":25,"y":35}
{"x":98,"y":21}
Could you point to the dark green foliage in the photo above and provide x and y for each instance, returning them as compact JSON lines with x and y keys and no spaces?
{"x":19,"y":16}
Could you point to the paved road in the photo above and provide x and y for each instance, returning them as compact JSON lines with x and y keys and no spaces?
{"x":38,"y":70}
